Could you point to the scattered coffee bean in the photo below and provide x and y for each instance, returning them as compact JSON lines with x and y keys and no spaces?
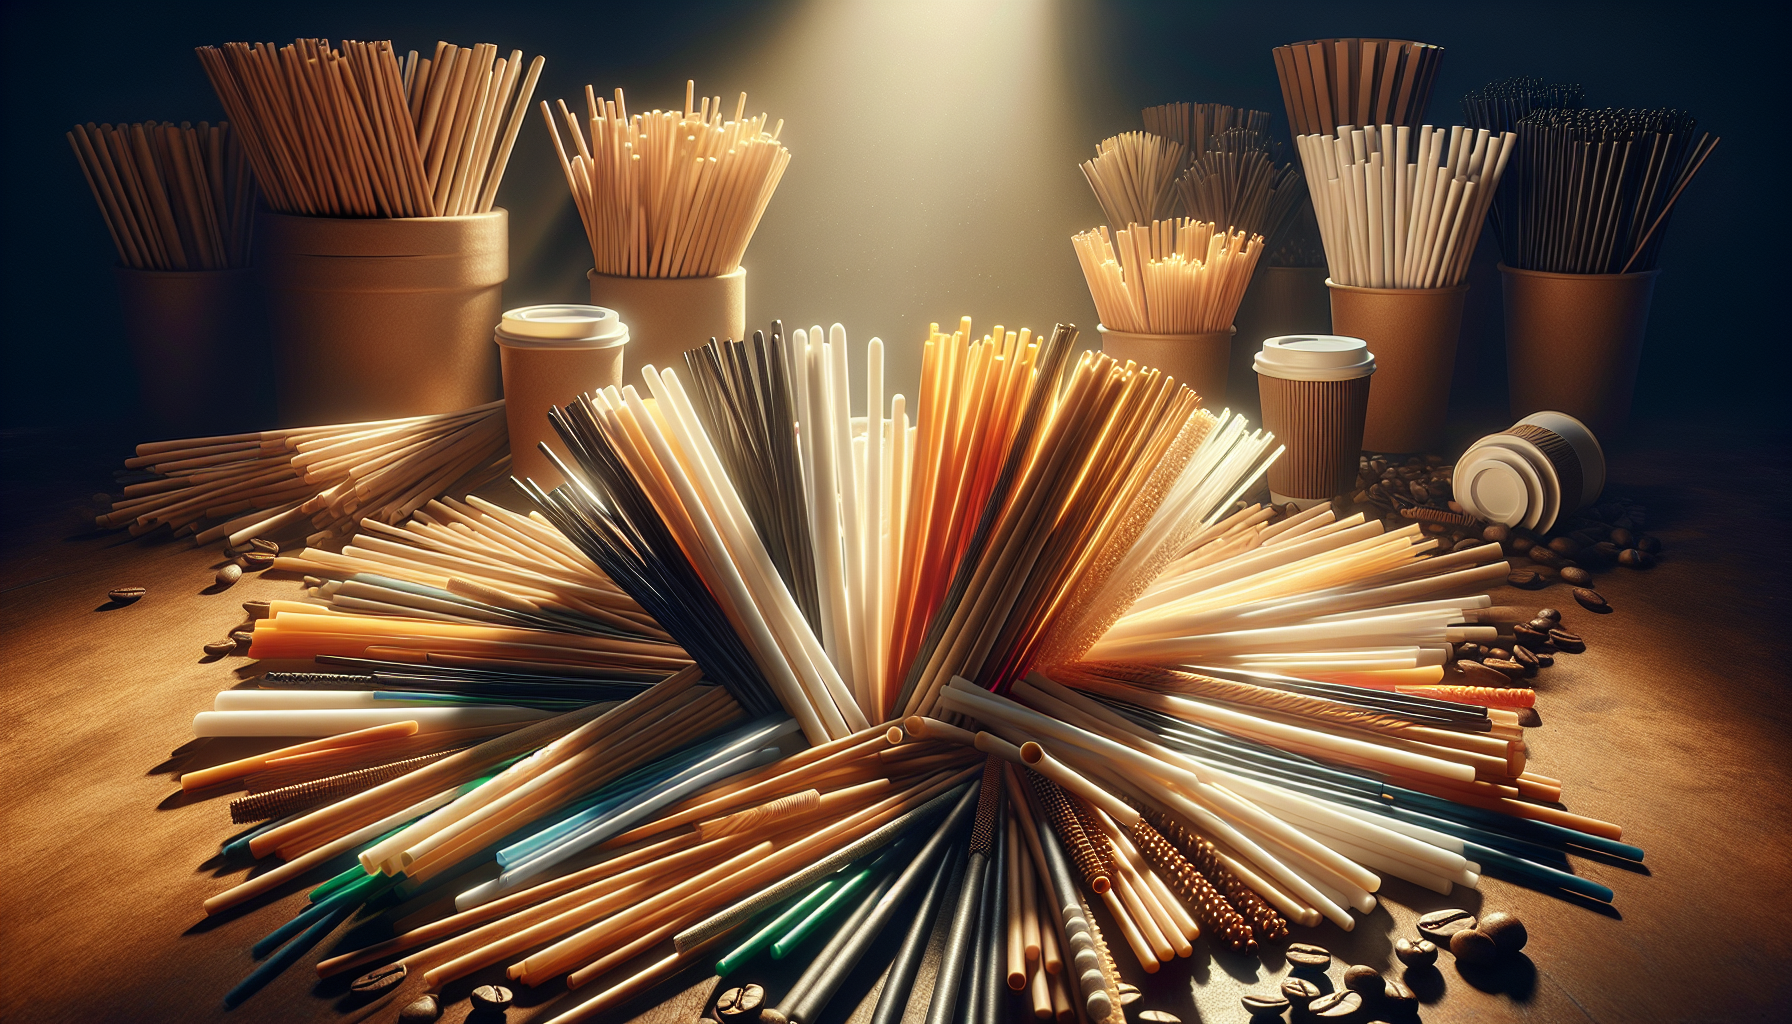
{"x":1362,"y":978}
{"x":1590,"y":600}
{"x":1533,"y":635}
{"x":1544,"y":660}
{"x":1635,"y":558}
{"x":219,"y":648}
{"x":1255,"y":1004}
{"x":1419,"y":493}
{"x":1549,"y":613}
{"x":1305,"y":954}
{"x":125,"y":595}
{"x":1576,"y":577}
{"x":229,"y":574}
{"x":1547,"y":558}
{"x":386,"y":977}
{"x":1471,"y":947}
{"x":1510,"y":669}
{"x":1623,"y":538}
{"x":1567,"y":547}
{"x":1299,"y":991}
{"x":738,"y":1002}
{"x":1336,"y":1005}
{"x":1465,"y":544}
{"x":1498,"y":533}
{"x":1527,"y":579}
{"x":1520,"y":545}
{"x":257,"y":609}
{"x":1498,"y":654}
{"x":1129,"y":993}
{"x":1541,"y":624}
{"x":264,"y":544}
{"x":1506,"y":931}
{"x":1527,"y":659}
{"x":1566,"y":642}
{"x":256,"y":561}
{"x":423,"y":1011}
{"x":1441,"y":924}
{"x":1475,"y":673}
{"x":1397,"y":996}
{"x":1604,"y":553}
{"x":492,"y":997}
{"x":1422,"y":953}
{"x":242,"y":637}
{"x":1648,"y":545}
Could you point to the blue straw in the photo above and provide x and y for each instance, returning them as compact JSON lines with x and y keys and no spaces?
{"x":353,"y":894}
{"x":280,"y":961}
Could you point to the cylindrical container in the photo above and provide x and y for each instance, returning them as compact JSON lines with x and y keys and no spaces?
{"x":668,"y":316}
{"x":1315,"y":393}
{"x":374,"y":318}
{"x":1413,"y":333}
{"x":1537,"y":472}
{"x":1573,"y":342}
{"x":1280,"y":302}
{"x":199,"y":345}
{"x":1196,"y":360}
{"x":550,"y":356}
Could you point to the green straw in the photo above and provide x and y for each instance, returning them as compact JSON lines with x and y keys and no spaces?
{"x":829,"y":907}
{"x":764,"y":936}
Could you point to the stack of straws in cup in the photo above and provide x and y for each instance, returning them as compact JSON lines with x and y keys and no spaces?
{"x":1133,"y":175}
{"x":1498,"y":107}
{"x":1206,"y":718}
{"x":1235,"y":181}
{"x":1398,"y":211}
{"x":669,"y":193}
{"x":174,"y":198}
{"x":1171,"y":277}
{"x":1193,"y":126}
{"x":350,"y":133}
{"x":318,"y":482}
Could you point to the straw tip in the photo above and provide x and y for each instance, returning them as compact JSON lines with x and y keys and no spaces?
{"x":894,"y":735}
{"x":1031,"y":752}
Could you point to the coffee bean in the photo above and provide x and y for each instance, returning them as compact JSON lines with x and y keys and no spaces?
{"x":1518,"y":547}
{"x":1476,"y":673}
{"x":125,"y":595}
{"x":1299,"y":991}
{"x":1635,"y":558}
{"x":256,"y":561}
{"x":492,"y":998}
{"x":1255,"y":1004}
{"x":1622,"y":538}
{"x":1498,"y":654}
{"x":1544,"y":660}
{"x":1532,"y":635}
{"x":219,"y":648}
{"x":1506,"y":931}
{"x":264,"y":544}
{"x":1422,"y":953}
{"x":1336,"y":1005}
{"x":1545,"y":557}
{"x":1590,"y":600}
{"x":1397,"y":996}
{"x":1549,"y":613}
{"x":1602,"y":553}
{"x":229,"y":574}
{"x":1419,"y":493}
{"x":1434,"y":529}
{"x":257,"y":609}
{"x":1441,"y":924}
{"x":1577,"y":577}
{"x":1527,"y":659}
{"x":1129,"y":993}
{"x":423,"y":1011}
{"x":1362,"y":978}
{"x":1569,"y":643}
{"x":1467,"y":652}
{"x":242,"y":636}
{"x":1526,"y":579}
{"x":1305,"y":954}
{"x":1510,"y":669}
{"x":1471,"y":947}
{"x":1567,"y":547}
{"x":1378,"y":466}
{"x":1498,"y":533}
{"x":1648,"y":545}
{"x":738,"y":1002}
{"x":1465,"y":544}
{"x":386,"y":977}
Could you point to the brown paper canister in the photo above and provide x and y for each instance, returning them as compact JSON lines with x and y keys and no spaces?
{"x":195,"y":337}
{"x":1573,"y":342}
{"x":550,"y":356}
{"x":1413,"y":333}
{"x":1315,"y":393}
{"x":1199,"y":361}
{"x":668,"y":316}
{"x":380,"y":317}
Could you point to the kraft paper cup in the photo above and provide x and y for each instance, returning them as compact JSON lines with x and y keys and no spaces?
{"x":1535,"y":473}
{"x":1573,"y":342}
{"x":668,"y":316}
{"x":1199,"y":361}
{"x":1315,"y":394}
{"x":375,"y":318}
{"x":1280,"y":301}
{"x":199,"y":345}
{"x":1413,"y":333}
{"x":550,"y":356}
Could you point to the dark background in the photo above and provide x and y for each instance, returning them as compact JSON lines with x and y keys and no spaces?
{"x":934,"y":150}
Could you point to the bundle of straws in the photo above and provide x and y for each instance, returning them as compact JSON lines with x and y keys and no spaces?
{"x":1399,"y":212}
{"x":1133,"y":175}
{"x":1499,"y":107}
{"x":174,"y":198}
{"x":1595,"y":188}
{"x":1331,"y":83}
{"x":349,"y":133}
{"x":669,"y":193}
{"x":1171,"y":277}
{"x":1236,"y":181}
{"x":1209,"y":719}
{"x":1194,"y":125}
{"x":314,"y":481}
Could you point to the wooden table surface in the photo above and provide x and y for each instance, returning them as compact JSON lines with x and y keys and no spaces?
{"x":1675,"y":723}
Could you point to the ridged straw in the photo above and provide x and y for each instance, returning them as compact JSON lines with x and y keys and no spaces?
{"x":278,"y":803}
{"x":1264,"y":921}
{"x":1060,"y":813}
{"x":1217,"y":917}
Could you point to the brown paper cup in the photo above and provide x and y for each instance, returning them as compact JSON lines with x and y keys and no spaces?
{"x":375,"y":318}
{"x":1413,"y":333}
{"x":196,"y":336}
{"x":1280,"y":301}
{"x":1196,"y":360}
{"x":668,"y":316}
{"x":1321,"y":422}
{"x":1573,"y":342}
{"x":550,"y":356}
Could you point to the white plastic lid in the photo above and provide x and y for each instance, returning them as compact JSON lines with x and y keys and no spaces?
{"x":1493,"y":489}
{"x":1315,"y":357}
{"x":562,"y":325}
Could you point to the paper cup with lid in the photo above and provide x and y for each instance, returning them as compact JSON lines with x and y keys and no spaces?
{"x":1533,"y":474}
{"x":1315,"y":394}
{"x":550,"y":356}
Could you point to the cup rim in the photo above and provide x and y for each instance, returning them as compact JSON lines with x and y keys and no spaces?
{"x":741,"y":271}
{"x":1227,"y":333}
{"x":1329,"y":283}
{"x":1558,"y":275}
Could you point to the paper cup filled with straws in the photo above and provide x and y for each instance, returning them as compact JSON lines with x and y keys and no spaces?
{"x":383,"y":255}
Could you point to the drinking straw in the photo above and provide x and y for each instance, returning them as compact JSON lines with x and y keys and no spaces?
{"x":991,"y":992}
{"x":287,"y":954}
{"x":899,"y":982}
{"x":961,"y":938}
{"x":172,"y":198}
{"x":1084,"y":962}
{"x":777,"y":926}
{"x":841,"y":897}
{"x":190,"y":781}
{"x":353,"y":895}
{"x":331,"y":722}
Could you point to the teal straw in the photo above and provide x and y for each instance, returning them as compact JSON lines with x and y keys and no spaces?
{"x":274,"y":965}
{"x":829,"y":907}
{"x":764,"y":936}
{"x":351,"y":895}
